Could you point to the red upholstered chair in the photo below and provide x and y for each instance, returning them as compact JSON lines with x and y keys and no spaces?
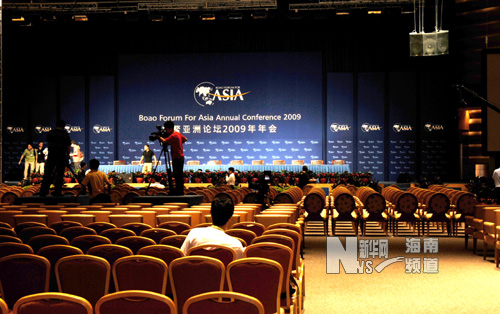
{"x":156,"y":234}
{"x":7,"y":231}
{"x":117,"y":233}
{"x":140,"y":272}
{"x":26,"y":234}
{"x":174,"y":240}
{"x":43,"y":240}
{"x":166,"y":253}
{"x":17,"y":273}
{"x":193,"y":275}
{"x":135,"y":242}
{"x":246,"y":235}
{"x":284,"y":256}
{"x":54,"y":253}
{"x":111,"y":253}
{"x":221,"y":302}
{"x":4,"y":309}
{"x":175,"y":226}
{"x":6,"y":238}
{"x":225,"y":254}
{"x":61,"y":225}
{"x":23,"y":225}
{"x":100,"y":226}
{"x":73,"y":232}
{"x":137,"y":227}
{"x":86,"y":276}
{"x":85,"y":242}
{"x":52,"y":303}
{"x":133,"y":302}
{"x":10,"y":248}
{"x":5,"y":225}
{"x":255,"y":227}
{"x":257,"y":277}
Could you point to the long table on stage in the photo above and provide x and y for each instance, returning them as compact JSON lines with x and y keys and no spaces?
{"x":275,"y":168}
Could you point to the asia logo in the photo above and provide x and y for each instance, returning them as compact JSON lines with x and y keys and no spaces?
{"x":15,"y":129}
{"x":207,"y":93}
{"x":366,"y":127}
{"x":398,"y":127}
{"x":335,"y":127}
{"x":72,"y":128}
{"x":42,"y":129}
{"x":101,"y":129}
{"x":429,"y":127}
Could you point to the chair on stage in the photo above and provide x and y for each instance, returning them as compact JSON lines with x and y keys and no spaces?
{"x":17,"y":274}
{"x":135,"y":162}
{"x":140,"y":272}
{"x":257,"y":277}
{"x":52,"y":303}
{"x":316,"y":162}
{"x":118,"y":162}
{"x":236,"y":162}
{"x":135,"y":301}
{"x":193,"y":162}
{"x":278,"y":162}
{"x":193,"y":275}
{"x":214,"y":162}
{"x":9,"y":248}
{"x":223,"y":302}
{"x":257,"y":162}
{"x":86,"y":276}
{"x":338,"y":162}
{"x":297,"y":162}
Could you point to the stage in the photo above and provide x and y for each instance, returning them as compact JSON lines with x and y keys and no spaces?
{"x":243,"y":168}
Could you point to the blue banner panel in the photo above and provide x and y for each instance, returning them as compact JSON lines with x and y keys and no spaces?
{"x":44,"y":107}
{"x":72,"y":95}
{"x":371,"y":124}
{"x":248,"y":106}
{"x":340,"y":118}
{"x":101,"y":119}
{"x":403,"y":124}
{"x":433,"y":128}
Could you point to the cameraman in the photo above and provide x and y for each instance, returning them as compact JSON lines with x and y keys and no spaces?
{"x":175,"y":139}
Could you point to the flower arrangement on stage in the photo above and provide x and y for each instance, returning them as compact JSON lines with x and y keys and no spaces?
{"x":197,"y":176}
{"x":68,"y":177}
{"x":115,"y":178}
{"x":138,"y":176}
{"x":36,"y":177}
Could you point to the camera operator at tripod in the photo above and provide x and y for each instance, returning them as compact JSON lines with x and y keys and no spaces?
{"x":175,"y":139}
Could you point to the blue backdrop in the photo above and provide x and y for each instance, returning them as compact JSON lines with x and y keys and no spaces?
{"x":259,"y":106}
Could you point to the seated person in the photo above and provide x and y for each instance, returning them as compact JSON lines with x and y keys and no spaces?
{"x":98,"y":184}
{"x":222,"y":210}
{"x":80,"y":173}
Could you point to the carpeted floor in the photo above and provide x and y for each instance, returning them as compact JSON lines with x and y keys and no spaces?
{"x":465,"y":282}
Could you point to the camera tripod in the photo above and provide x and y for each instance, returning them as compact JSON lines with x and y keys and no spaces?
{"x":166,"y":155}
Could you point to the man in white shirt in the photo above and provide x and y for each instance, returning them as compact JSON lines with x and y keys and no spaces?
{"x":230,"y":178}
{"x":496,"y":179}
{"x":222,"y":210}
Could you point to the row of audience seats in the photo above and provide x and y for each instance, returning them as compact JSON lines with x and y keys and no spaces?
{"x":139,"y":236}
{"x":484,"y":225}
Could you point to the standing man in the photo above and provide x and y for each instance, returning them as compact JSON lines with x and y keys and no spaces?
{"x":230,"y":178}
{"x":77,"y":155}
{"x":40,"y":158}
{"x":496,"y":179}
{"x":59,"y":145}
{"x":176,"y":139}
{"x":147,"y":159}
{"x":29,"y":156}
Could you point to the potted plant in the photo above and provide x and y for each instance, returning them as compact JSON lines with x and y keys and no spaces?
{"x":243,"y":176}
{"x":68,"y":177}
{"x":36,"y":177}
{"x":138,"y":177}
{"x":197,"y":176}
{"x":323,"y":177}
